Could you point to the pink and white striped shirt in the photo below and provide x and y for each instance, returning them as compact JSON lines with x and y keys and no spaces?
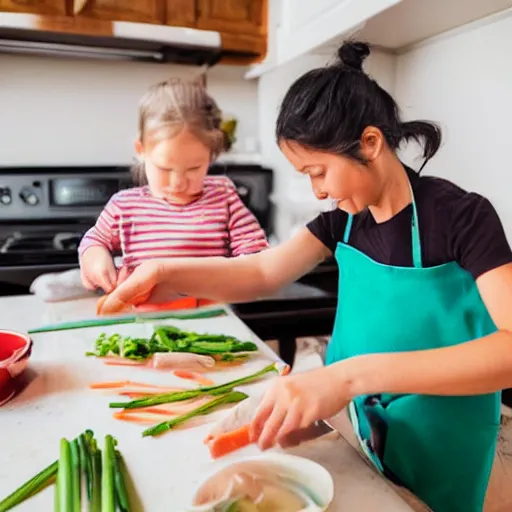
{"x":144,"y":227}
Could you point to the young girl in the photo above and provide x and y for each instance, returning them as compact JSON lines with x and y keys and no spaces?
{"x":422,"y":343}
{"x":181,"y":211}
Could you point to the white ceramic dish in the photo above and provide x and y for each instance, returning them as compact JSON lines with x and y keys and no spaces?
{"x":312,"y":477}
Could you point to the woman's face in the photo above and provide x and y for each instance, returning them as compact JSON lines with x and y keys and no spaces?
{"x":176,"y":167}
{"x":350,"y":184}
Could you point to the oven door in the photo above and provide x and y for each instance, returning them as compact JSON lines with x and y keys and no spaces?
{"x":30,"y":249}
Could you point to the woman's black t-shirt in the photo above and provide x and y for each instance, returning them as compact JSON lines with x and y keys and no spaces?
{"x":455,"y":225}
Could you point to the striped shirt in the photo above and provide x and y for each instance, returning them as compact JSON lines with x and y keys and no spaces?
{"x":143,"y":227}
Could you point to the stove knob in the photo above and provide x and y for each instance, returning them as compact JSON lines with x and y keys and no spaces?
{"x":5,"y":196}
{"x":29,"y":196}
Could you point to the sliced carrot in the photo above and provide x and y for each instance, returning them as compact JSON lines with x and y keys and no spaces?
{"x":136,"y":418}
{"x":149,"y":389}
{"x":121,"y":361}
{"x":153,"y":386}
{"x":109,"y":385}
{"x":131,"y":394}
{"x":155,"y":410}
{"x":286,"y":370}
{"x":99,"y":304}
{"x":185,"y":374}
{"x":229,"y":442}
{"x":177,"y":408}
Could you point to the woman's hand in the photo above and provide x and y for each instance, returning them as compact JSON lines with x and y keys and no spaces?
{"x":97,"y":269}
{"x":295,"y":402}
{"x":147,"y":283}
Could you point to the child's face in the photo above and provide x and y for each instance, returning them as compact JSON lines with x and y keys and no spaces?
{"x":176,"y":167}
{"x":349,"y":183}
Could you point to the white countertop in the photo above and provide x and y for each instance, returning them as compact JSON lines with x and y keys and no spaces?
{"x":57,"y":402}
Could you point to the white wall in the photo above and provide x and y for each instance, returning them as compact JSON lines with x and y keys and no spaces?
{"x":61,"y":111}
{"x":296,"y":203}
{"x":464,"y":81}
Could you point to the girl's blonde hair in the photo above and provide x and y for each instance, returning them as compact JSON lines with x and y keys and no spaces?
{"x":171,"y":106}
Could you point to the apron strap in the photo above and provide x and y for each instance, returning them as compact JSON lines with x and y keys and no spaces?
{"x":415,"y":231}
{"x":348,"y":228}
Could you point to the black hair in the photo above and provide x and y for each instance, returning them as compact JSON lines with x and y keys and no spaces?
{"x":328,"y":108}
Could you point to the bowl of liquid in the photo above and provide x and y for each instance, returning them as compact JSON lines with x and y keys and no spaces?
{"x":271,"y":482}
{"x":15,"y":350}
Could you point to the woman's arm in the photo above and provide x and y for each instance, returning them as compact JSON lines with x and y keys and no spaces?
{"x":476,"y":367}
{"x":229,"y":280}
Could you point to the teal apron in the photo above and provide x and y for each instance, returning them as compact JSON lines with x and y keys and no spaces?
{"x":439,"y":447}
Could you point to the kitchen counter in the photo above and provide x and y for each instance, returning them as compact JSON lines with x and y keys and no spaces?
{"x":56,"y":402}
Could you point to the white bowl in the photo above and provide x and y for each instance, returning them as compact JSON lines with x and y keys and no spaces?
{"x":314,"y":477}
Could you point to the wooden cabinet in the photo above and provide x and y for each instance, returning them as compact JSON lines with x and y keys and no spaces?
{"x":232,"y":16}
{"x":142,"y":11}
{"x":181,"y":13}
{"x":241,"y":23}
{"x":50,"y":7}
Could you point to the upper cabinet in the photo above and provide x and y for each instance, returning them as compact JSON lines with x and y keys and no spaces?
{"x":50,"y":7}
{"x":304,"y":26}
{"x":181,"y":13}
{"x":142,"y":11}
{"x":231,"y":16}
{"x":297,"y":28}
{"x":241,"y":23}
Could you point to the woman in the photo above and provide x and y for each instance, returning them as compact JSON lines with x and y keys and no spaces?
{"x":422,"y":343}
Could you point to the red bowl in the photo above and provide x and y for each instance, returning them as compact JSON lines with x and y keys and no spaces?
{"x":15,"y":349}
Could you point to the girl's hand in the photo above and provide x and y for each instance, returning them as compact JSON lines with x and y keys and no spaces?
{"x":97,"y":269}
{"x":295,"y":402}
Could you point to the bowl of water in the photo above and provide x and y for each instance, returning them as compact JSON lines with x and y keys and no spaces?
{"x":270,"y":482}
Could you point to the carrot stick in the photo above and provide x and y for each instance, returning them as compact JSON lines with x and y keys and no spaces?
{"x":135,"y":418}
{"x":126,"y":383}
{"x":184,"y":374}
{"x":123,"y":362}
{"x":229,"y":442}
{"x":99,"y":304}
{"x":131,"y":394}
{"x":109,"y":385}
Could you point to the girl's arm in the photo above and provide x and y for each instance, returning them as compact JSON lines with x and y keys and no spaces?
{"x":245,"y":234}
{"x":222,"y":279}
{"x":480,"y":366}
{"x":105,"y":233}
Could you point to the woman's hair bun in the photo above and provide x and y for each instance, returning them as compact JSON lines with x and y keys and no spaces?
{"x":353,"y":53}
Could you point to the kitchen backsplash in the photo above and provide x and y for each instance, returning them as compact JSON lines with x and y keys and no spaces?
{"x":61,"y":111}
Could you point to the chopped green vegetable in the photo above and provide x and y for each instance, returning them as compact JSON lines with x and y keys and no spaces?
{"x":75,"y":476}
{"x":167,"y":338}
{"x":85,"y":463}
{"x":230,"y":398}
{"x":229,"y":358}
{"x":179,"y":396}
{"x":32,"y":486}
{"x":122,"y":499}
{"x":56,"y":502}
{"x":108,"y":502}
{"x":95,"y":504}
{"x":80,"y":457}
{"x":65,"y":494}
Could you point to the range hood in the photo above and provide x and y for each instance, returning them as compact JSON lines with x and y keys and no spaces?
{"x":117,"y":40}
